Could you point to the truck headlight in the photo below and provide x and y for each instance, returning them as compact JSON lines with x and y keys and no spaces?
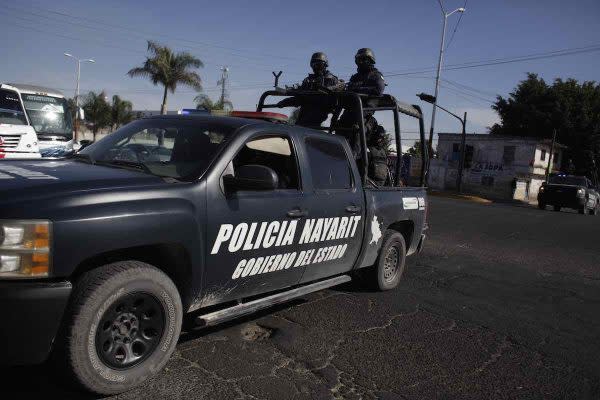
{"x":580,"y":192}
{"x":24,"y":249}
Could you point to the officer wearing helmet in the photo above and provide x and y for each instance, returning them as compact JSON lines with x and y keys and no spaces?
{"x":378,"y":156}
{"x":314,"y":111}
{"x":367,"y":80}
{"x":321,"y":77}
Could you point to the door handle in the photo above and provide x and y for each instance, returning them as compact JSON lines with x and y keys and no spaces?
{"x":352,"y":209}
{"x":297,"y":213}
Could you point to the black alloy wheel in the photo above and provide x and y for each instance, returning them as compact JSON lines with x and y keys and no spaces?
{"x":130,"y":330}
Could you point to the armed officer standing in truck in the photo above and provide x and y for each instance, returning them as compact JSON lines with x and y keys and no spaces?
{"x":313,"y":112}
{"x":367,"y":80}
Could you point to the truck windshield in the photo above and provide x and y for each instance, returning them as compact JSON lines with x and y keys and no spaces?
{"x":567,"y":180}
{"x":180,"y":149}
{"x":11,"y":111}
{"x":48,"y":115}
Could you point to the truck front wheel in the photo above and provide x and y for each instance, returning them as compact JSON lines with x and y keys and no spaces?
{"x":124,"y":322}
{"x":390,"y":263}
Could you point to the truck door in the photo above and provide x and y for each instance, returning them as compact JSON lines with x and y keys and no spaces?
{"x":251,"y":245}
{"x":335,"y":204}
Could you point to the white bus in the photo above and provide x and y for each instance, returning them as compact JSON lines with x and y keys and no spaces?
{"x":34,"y":121}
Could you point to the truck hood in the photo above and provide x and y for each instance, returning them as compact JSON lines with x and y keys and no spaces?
{"x":28,"y":180}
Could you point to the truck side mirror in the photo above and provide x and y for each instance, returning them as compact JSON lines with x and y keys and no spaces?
{"x":84,"y":143}
{"x":251,"y":177}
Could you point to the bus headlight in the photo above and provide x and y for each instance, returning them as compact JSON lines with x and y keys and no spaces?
{"x":24,"y":249}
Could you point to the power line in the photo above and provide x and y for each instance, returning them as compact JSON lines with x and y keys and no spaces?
{"x":469,"y":88}
{"x":143,"y":91}
{"x":106,"y":44}
{"x":232,"y":50}
{"x":261,"y":67}
{"x":101,"y":43}
{"x":467,"y":96}
{"x":505,"y":60}
{"x":456,"y":26}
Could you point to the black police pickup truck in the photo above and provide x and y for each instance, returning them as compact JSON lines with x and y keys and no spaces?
{"x":103,"y":253}
{"x":568,"y":191}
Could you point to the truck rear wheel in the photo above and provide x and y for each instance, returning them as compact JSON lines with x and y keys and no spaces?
{"x":124,"y":322}
{"x":556,"y":208}
{"x":390,"y":263}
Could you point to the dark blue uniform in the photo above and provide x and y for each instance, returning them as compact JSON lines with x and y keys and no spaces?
{"x":368,"y":81}
{"x":313,"y":111}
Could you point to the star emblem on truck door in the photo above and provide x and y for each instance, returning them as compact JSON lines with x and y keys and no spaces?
{"x":375,"y":231}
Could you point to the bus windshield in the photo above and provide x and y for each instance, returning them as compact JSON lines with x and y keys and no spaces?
{"x":48,"y":115}
{"x":11,"y":111}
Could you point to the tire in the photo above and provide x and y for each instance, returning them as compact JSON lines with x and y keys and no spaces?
{"x":393,"y":255}
{"x":557,"y":208}
{"x":541,"y":206}
{"x":113,"y":339}
{"x":594,"y":210}
{"x":582,"y":210}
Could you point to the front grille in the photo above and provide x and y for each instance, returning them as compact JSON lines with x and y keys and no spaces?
{"x":9,"y":141}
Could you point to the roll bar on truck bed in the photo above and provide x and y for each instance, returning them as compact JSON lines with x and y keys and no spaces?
{"x":362,"y":103}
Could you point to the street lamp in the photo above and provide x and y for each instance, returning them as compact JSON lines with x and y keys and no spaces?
{"x":439,"y":68}
{"x":433,"y":100}
{"x":79,"y":61}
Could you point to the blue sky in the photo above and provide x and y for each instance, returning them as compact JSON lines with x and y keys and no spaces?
{"x":254,"y":38}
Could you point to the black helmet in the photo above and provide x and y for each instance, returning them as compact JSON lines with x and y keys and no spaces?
{"x":319,"y":56}
{"x":365,"y":53}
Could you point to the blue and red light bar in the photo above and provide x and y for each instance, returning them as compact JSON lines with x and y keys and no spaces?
{"x":270,"y":116}
{"x":267,"y":116}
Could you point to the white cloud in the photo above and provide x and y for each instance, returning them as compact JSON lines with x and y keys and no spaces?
{"x":481,"y":117}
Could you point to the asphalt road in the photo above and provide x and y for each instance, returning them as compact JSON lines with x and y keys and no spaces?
{"x":504,"y":303}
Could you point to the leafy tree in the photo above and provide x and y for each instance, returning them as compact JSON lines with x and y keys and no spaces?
{"x":71,"y":108}
{"x":121,"y":112}
{"x":97,"y":111}
{"x":535,"y":109}
{"x":415,"y":150}
{"x":169,"y":69}
{"x":206,"y":103}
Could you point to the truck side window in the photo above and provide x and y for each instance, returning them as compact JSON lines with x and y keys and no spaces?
{"x":328,"y":164}
{"x":275,"y":152}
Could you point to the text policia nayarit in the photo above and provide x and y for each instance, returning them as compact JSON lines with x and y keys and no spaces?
{"x":254,"y":236}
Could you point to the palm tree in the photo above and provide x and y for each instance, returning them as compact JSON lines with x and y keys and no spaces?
{"x":121,"y":112}
{"x":169,"y":69}
{"x":205,"y":102}
{"x":97,"y":111}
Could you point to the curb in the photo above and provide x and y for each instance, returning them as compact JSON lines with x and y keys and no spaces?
{"x":456,"y":196}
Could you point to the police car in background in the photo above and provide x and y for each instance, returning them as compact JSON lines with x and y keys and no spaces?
{"x":569,"y":191}
{"x":101,"y":254}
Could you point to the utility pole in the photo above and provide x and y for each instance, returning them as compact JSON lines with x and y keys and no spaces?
{"x":439,"y":70}
{"x":461,"y":162}
{"x":223,"y":83}
{"x":432,"y":99}
{"x":551,"y":156}
{"x":76,"y":122}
